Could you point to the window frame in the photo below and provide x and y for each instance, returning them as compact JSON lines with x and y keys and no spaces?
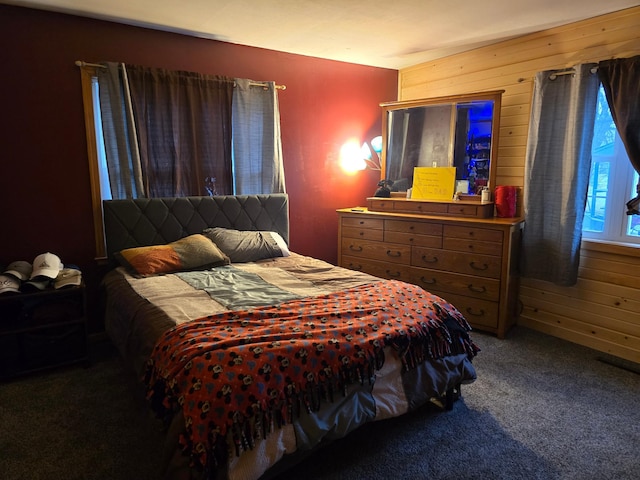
{"x":87,"y":73}
{"x":621,"y":173}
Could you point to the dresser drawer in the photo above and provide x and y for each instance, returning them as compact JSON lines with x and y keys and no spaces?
{"x":413,"y":239}
{"x":469,"y":285}
{"x":462,"y":210}
{"x":472,"y":246}
{"x":479,"y":313}
{"x":363,"y":222}
{"x":418,"y":228}
{"x":363,"y":233}
{"x":379,"y":269}
{"x":467,"y":263}
{"x":424,"y":234}
{"x":472,"y":233}
{"x":408,"y":206}
{"x":391,"y":252}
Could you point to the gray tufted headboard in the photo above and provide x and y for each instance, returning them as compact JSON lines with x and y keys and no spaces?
{"x":156,"y":221}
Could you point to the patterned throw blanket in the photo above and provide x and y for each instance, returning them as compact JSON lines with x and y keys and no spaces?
{"x":238,"y":375}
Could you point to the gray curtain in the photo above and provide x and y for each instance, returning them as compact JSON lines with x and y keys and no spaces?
{"x":557,"y":170}
{"x":620,"y":78}
{"x":119,"y":132}
{"x":257,"y":147}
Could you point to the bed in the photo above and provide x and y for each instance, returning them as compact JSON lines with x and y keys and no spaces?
{"x":253,"y":356}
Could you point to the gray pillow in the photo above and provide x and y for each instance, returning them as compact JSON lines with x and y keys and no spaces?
{"x":247,"y":245}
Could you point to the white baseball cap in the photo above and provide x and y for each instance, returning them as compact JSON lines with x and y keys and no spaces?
{"x":9,"y":283}
{"x":46,"y":265}
{"x":19,"y":269}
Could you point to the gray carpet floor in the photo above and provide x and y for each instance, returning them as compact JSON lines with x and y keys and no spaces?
{"x":542,"y":408}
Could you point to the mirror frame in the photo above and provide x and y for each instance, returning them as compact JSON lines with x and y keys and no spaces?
{"x":495,"y":96}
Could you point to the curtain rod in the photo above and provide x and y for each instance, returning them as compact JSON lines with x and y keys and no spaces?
{"x":81,"y":63}
{"x":568,"y":71}
{"x":264,"y":84}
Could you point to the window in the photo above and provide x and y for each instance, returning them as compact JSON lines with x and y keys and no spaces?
{"x":105,"y":186}
{"x":202,"y":146}
{"x":612,"y":182}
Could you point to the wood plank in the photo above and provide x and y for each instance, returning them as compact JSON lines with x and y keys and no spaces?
{"x":607,"y":29}
{"x":616,"y":278}
{"x":584,"y":288}
{"x":515,"y":131}
{"x":611,"y":306}
{"x":513,"y":141}
{"x":610,"y":260}
{"x":510,"y":162}
{"x":612,"y":264}
{"x":513,"y":151}
{"x":584,"y":328}
{"x":588,"y":340}
{"x":508,"y":180}
{"x":587,"y":317}
{"x":504,"y":171}
{"x":616,"y":248}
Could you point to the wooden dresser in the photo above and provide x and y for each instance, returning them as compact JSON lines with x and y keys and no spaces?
{"x":471,"y":262}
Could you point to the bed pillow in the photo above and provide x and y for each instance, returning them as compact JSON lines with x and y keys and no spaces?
{"x":247,"y":245}
{"x":188,"y":253}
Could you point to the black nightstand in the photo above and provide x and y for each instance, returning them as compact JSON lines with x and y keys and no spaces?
{"x":42,"y":330}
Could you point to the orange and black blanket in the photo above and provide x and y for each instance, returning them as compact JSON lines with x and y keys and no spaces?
{"x":238,"y":375}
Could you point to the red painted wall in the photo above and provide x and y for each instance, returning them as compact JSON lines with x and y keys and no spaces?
{"x":44,"y":177}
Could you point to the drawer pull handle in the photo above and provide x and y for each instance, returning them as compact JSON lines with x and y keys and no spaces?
{"x":475,"y":314}
{"x":473,"y":265}
{"x":355,"y":266}
{"x":431,"y":281}
{"x":432,"y":260}
{"x":394,"y":274}
{"x":482,"y":289}
{"x":394,"y":254}
{"x":355,"y":249}
{"x":361,"y":222}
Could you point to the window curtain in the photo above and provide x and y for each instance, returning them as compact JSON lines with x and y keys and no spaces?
{"x":557,"y":167}
{"x":184,"y":130}
{"x":620,"y":78}
{"x":119,"y":133}
{"x":257,"y":147}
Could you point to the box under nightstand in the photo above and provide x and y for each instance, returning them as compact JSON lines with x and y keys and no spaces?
{"x":42,"y":330}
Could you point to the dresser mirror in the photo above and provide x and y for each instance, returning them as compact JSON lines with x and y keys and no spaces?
{"x":458,"y":131}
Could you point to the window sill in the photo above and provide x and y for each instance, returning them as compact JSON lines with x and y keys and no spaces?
{"x":619,"y":248}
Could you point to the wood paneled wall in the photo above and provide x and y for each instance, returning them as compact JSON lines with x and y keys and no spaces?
{"x":602,"y":310}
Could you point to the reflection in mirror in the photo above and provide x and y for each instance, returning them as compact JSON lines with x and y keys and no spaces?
{"x":458,"y":131}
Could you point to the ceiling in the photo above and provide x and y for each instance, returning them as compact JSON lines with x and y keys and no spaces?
{"x":381,"y":33}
